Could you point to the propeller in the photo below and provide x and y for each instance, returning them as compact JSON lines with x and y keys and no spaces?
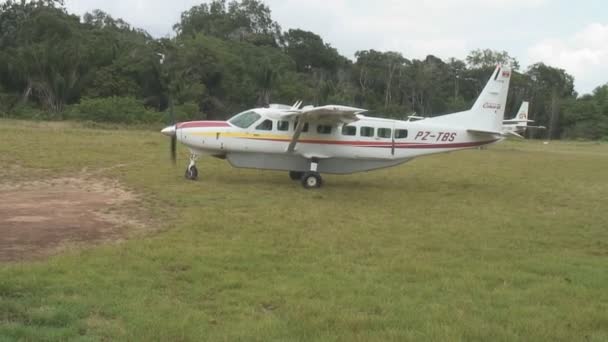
{"x":171,"y":131}
{"x":173,"y":148}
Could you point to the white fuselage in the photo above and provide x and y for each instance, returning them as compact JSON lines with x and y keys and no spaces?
{"x":373,"y":143}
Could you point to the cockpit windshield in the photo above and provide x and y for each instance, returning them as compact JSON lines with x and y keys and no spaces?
{"x":245,"y":119}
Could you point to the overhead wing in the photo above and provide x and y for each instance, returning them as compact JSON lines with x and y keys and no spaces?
{"x":415,"y":118}
{"x":328,"y":115}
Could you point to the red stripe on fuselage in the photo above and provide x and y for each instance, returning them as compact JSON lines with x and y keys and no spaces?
{"x":378,"y":144}
{"x":202,"y":124}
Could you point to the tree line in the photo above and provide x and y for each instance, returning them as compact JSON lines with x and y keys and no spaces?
{"x":229,"y":56}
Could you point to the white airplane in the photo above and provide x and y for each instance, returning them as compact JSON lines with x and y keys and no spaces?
{"x":337,"y":139}
{"x":518,"y":125}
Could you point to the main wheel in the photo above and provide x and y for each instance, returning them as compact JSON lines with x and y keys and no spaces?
{"x":296,"y":175}
{"x":311,"y":180}
{"x":191,"y":173}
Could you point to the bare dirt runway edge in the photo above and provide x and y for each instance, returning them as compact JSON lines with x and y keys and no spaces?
{"x":38,"y":218}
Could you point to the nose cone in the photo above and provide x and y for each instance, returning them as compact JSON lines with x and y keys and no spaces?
{"x":169,"y":131}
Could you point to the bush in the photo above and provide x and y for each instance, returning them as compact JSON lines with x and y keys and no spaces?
{"x":114,"y":110}
{"x":30,"y":112}
{"x":187,"y":112}
{"x":13,"y":106}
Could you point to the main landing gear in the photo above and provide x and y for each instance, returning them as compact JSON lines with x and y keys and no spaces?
{"x":310,"y":179}
{"x":192,"y":171}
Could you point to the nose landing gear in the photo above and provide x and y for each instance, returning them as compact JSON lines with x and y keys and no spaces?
{"x":192,"y":171}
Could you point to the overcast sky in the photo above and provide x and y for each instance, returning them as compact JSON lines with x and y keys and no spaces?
{"x":568,"y":34}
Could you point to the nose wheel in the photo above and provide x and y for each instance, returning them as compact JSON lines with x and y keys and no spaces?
{"x":192,"y":171}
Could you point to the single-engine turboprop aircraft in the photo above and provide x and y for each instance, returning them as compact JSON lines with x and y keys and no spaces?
{"x":518,"y":125}
{"x":332,"y":139}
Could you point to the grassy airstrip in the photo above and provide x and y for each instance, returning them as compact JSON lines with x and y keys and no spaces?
{"x":509,"y":243}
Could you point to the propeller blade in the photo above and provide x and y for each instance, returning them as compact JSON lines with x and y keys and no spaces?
{"x":174,"y":135}
{"x":173,"y":148}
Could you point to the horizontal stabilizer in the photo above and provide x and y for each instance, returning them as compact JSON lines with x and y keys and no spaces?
{"x":481,"y":132}
{"x":514,"y":135}
{"x":515,"y":121}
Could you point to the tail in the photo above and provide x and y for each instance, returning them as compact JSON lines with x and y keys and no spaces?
{"x":489,"y":109}
{"x":522,"y":114}
{"x":488,"y":112}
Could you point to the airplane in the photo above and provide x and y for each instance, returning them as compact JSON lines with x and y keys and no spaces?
{"x":333,"y":139}
{"x":518,"y":125}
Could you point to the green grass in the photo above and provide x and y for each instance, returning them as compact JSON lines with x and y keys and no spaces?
{"x":509,"y":243}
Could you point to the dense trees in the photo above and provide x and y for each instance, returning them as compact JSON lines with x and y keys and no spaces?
{"x":228,"y":56}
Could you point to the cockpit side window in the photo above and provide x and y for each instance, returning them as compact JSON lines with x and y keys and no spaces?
{"x":245,"y":119}
{"x":266,"y":125}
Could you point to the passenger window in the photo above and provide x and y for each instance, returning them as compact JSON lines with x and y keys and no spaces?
{"x":283,"y":125}
{"x":305,"y":129}
{"x":349,"y":130}
{"x":384,"y":132}
{"x":323,"y":129}
{"x":400,"y":133}
{"x":266,"y":125}
{"x":367,"y":131}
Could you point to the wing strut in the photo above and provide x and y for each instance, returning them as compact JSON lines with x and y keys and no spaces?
{"x":296,"y":136}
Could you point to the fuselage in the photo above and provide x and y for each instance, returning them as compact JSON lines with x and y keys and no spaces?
{"x":258,"y":139}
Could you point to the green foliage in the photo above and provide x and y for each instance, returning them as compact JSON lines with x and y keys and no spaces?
{"x":246,"y":20}
{"x":113,"y":110}
{"x":310,"y":52}
{"x":188,"y":111}
{"x":231,"y":55}
{"x":30,"y":111}
{"x":587,"y":117}
{"x":487,"y":58}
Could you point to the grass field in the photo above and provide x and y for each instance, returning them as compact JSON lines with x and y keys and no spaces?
{"x":509,"y":243}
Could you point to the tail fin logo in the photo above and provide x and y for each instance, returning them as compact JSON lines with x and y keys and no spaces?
{"x":523,"y":115}
{"x":489,"y":105}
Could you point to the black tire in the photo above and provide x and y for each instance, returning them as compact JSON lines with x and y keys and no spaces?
{"x":311,"y":180}
{"x":191,"y":173}
{"x":296,"y":175}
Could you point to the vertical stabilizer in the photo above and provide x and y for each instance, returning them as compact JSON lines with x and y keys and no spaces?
{"x":489,"y":109}
{"x":522,"y":114}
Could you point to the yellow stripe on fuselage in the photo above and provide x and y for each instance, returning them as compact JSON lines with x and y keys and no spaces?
{"x":242,"y":135}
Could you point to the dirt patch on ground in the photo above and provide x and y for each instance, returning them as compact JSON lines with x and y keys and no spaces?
{"x":39,"y":218}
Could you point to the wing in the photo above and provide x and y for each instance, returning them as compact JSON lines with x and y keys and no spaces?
{"x":325,"y":114}
{"x":328,"y":115}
